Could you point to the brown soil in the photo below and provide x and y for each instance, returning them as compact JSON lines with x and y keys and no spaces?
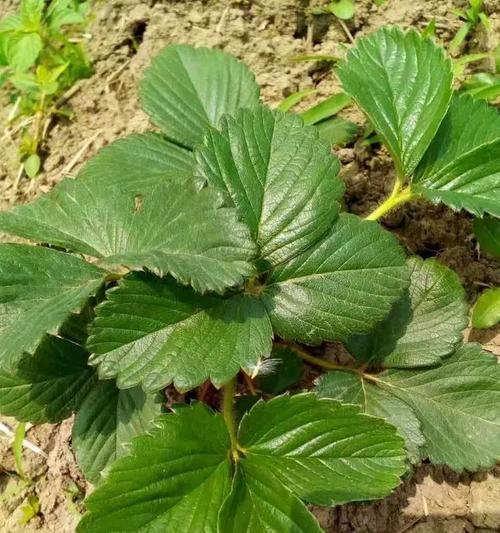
{"x":265,"y":34}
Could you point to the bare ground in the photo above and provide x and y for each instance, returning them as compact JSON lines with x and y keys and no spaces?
{"x":265,"y":34}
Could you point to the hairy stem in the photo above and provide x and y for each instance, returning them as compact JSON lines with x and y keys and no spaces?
{"x":398,"y":196}
{"x":228,"y":413}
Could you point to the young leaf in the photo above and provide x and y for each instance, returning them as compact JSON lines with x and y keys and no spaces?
{"x":403,"y":83}
{"x":345,"y":284}
{"x":424,"y":326}
{"x":260,"y":502}
{"x":487,"y":231}
{"x":39,"y":288}
{"x":138,"y":160}
{"x":486,"y":311}
{"x":294,"y":99}
{"x":347,"y":387}
{"x":22,"y":50}
{"x":174,"y":480}
{"x":324,"y":452}
{"x":49,"y":385}
{"x":326,"y":109}
{"x":154,"y":332}
{"x":167,"y":228}
{"x":280,"y":177}
{"x":187,"y":89}
{"x":105,"y":424}
{"x":461,"y":167}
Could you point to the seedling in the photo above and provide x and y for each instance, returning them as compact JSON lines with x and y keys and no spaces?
{"x":471,"y":17}
{"x":206,"y":251}
{"x":40,"y":58}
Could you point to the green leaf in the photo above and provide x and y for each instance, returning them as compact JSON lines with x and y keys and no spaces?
{"x":403,"y":83}
{"x":457,"y":406}
{"x":294,"y":99}
{"x":286,"y":370}
{"x":260,"y":502}
{"x":343,"y":9}
{"x":167,"y":228}
{"x":350,"y":388}
{"x":280,"y":177}
{"x":39,"y":288}
{"x":154,"y":332}
{"x":461,"y":167}
{"x":138,"y":160}
{"x":425,"y":325}
{"x":32,"y":165}
{"x":174,"y":480}
{"x":106,"y":423}
{"x":23,"y":49}
{"x":487,"y":232}
{"x":337,"y":131}
{"x":187,"y":89}
{"x":327,"y":108}
{"x":324,"y":452}
{"x":486,"y":311}
{"x":49,"y":385}
{"x":345,"y":284}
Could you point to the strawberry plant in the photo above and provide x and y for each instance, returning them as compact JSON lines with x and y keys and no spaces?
{"x":216,"y":252}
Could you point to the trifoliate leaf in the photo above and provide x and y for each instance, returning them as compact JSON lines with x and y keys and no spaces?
{"x":457,"y":406}
{"x":260,"y":502}
{"x":403,"y":83}
{"x":167,"y":228}
{"x":486,"y":311}
{"x":174,"y":480}
{"x":487,"y":231}
{"x":39,"y":288}
{"x":49,"y":385}
{"x":105,"y":424}
{"x":138,"y":160}
{"x":424,"y":326}
{"x":324,"y":452}
{"x":280,"y":177}
{"x":285,"y":370}
{"x":153,"y":331}
{"x":187,"y":89}
{"x":461,"y":167}
{"x":351,"y":388}
{"x":344,"y":284}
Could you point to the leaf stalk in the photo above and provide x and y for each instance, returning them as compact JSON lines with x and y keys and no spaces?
{"x":398,"y":196}
{"x":228,"y":414}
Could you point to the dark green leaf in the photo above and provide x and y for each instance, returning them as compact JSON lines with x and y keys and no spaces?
{"x":167,"y":228}
{"x":457,"y":405}
{"x":105,"y":424}
{"x":286,"y":371}
{"x":350,"y":388}
{"x":174,"y":480}
{"x":325,"y":452}
{"x":187,"y":89}
{"x":153,"y":331}
{"x":403,"y":82}
{"x":259,"y":503}
{"x":49,"y":385}
{"x":39,"y":288}
{"x":345,"y":284}
{"x":487,"y":231}
{"x":280,"y":177}
{"x":461,"y":167}
{"x":486,"y":311}
{"x":424,"y":326}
